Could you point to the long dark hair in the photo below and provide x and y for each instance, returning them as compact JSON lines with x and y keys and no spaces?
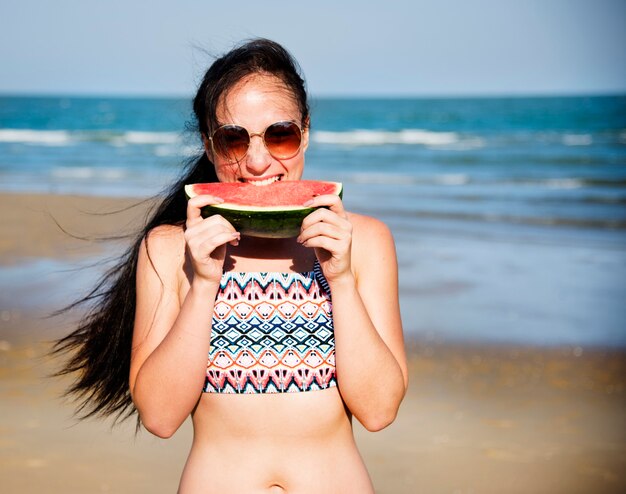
{"x":99,"y":349}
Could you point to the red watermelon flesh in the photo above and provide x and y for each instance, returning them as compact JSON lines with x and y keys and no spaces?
{"x":288,"y":193}
{"x":274,"y":210}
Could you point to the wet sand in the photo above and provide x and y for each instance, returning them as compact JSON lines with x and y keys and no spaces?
{"x":476,"y":418}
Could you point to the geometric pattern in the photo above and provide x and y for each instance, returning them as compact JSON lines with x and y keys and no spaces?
{"x":272,"y":333}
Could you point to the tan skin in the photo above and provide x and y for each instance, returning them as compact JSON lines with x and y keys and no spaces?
{"x":271,"y":443}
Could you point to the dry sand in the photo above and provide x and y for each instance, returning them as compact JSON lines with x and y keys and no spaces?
{"x":56,"y":226}
{"x":475,"y":420}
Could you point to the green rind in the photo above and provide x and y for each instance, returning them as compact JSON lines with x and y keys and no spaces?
{"x":280,"y":223}
{"x":267,"y":224}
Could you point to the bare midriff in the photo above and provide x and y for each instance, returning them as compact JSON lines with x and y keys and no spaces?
{"x":296,"y":443}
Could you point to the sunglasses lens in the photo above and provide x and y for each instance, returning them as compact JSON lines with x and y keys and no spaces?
{"x":283,"y":139}
{"x":231,"y":141}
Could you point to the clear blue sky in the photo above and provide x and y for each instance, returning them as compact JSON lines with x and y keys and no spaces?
{"x":346,"y":47}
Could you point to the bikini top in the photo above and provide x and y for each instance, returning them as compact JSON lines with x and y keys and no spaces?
{"x":272,"y":333}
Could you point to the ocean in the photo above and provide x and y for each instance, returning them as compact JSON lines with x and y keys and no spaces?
{"x":509,"y":213}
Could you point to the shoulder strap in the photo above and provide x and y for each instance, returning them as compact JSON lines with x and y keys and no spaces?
{"x":319,"y":276}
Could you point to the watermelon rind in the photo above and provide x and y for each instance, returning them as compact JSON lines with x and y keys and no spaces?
{"x":261,"y":221}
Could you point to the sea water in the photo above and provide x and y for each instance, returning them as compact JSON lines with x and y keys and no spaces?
{"x":509,"y":213}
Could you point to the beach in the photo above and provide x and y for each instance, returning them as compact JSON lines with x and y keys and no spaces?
{"x":479,"y":417}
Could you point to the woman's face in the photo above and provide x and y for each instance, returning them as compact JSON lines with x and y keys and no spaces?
{"x":256,"y":103}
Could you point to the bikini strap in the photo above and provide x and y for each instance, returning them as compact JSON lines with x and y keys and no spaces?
{"x":319,"y":276}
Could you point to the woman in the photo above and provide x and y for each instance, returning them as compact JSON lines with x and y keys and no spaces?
{"x":275,"y":417}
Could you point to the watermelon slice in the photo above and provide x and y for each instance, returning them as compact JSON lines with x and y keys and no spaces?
{"x":271,"y":211}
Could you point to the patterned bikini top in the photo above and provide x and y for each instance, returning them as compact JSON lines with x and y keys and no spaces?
{"x":272,"y":333}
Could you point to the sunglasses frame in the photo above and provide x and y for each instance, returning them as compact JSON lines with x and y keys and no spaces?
{"x":261,"y":135}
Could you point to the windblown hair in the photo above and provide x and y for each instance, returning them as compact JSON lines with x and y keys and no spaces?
{"x":99,"y":349}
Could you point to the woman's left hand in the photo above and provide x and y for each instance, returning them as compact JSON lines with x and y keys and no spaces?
{"x":329,"y":231}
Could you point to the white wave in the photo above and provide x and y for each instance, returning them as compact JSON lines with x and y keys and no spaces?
{"x":65,"y":137}
{"x":177,"y":151}
{"x":136,"y":137}
{"x":41,"y":137}
{"x":464,"y":144}
{"x":87,"y":172}
{"x":382,"y":137}
{"x":382,"y":178}
{"x":165,"y":150}
{"x":452,"y":179}
{"x":564,"y":183}
{"x":577,"y":139}
{"x":112,"y":173}
{"x":399,"y":179}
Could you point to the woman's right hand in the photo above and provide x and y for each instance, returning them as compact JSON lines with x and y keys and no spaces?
{"x":206,"y":239}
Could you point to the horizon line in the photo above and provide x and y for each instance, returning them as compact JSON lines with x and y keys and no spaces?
{"x":364,"y":96}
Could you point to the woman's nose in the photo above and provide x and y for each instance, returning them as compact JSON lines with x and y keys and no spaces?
{"x":258,"y":159}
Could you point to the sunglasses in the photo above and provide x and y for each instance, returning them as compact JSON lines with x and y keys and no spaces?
{"x":281,"y":139}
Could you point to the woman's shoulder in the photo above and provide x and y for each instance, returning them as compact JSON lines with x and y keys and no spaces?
{"x":165,"y":245}
{"x":166,"y":233}
{"x":368,"y":228}
{"x":165,"y":236}
{"x":370,"y":237}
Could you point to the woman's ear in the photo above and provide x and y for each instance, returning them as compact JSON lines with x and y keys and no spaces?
{"x":207,"y":147}
{"x":305,"y":133}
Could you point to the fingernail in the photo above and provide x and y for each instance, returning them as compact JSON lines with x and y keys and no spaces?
{"x":308,"y":203}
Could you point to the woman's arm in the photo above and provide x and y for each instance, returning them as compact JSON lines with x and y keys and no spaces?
{"x":171,"y":339}
{"x":370,"y":356}
{"x":361,"y":268}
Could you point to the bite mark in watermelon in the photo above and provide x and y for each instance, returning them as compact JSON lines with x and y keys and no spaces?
{"x":271,"y":211}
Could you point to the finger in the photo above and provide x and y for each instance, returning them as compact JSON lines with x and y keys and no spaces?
{"x":202,"y":248}
{"x":331,"y":201}
{"x":216,"y":222}
{"x":322,"y":229}
{"x":326,"y":216}
{"x":331,"y":245}
{"x":206,"y":229}
{"x":195,"y":205}
{"x":200,"y":237}
{"x":223,"y":239}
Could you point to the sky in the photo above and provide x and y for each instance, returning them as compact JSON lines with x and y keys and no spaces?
{"x":345,"y":47}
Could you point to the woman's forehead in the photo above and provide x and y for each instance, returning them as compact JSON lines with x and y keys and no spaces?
{"x":258,"y":92}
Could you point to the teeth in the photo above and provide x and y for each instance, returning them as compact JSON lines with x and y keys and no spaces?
{"x":267,"y":181}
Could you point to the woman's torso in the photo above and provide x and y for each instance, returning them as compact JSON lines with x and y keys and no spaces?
{"x":271,"y":418}
{"x":287,"y":443}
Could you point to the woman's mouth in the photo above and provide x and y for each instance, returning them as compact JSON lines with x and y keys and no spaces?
{"x":261,"y":182}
